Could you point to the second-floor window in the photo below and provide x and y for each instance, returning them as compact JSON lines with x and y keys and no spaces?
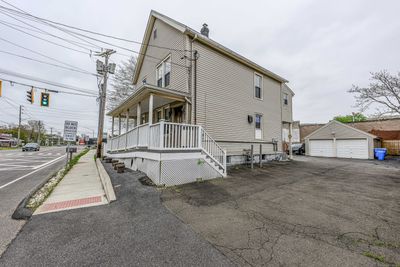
{"x":164,"y":73}
{"x":257,"y":86}
{"x":285,"y":99}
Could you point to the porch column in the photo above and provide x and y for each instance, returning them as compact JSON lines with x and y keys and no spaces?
{"x":138,"y":114}
{"x":112,"y":127}
{"x":127,"y":121}
{"x":119,"y":124}
{"x":186,"y":112}
{"x":290,"y":140}
{"x":151,"y":109}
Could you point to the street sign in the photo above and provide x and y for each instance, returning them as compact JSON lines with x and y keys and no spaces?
{"x":70,"y":129}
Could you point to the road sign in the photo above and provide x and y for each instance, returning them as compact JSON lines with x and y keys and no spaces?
{"x":70,"y":129}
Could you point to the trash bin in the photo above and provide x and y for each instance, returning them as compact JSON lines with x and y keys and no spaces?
{"x":379,"y":149}
{"x":380,"y":154}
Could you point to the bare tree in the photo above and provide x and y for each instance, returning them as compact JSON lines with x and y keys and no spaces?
{"x":383,"y":92}
{"x":122,"y":84}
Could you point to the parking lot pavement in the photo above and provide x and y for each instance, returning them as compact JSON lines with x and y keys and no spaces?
{"x":134,"y":230}
{"x":309,"y":212}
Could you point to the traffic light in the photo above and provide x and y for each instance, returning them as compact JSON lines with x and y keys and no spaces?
{"x":30,"y":95}
{"x":44,"y":99}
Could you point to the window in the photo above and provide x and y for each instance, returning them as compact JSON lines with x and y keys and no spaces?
{"x":257,"y":86}
{"x":164,"y":73}
{"x":159,"y":76}
{"x":167,"y":71}
{"x":159,"y":115}
{"x":155,"y":34}
{"x":285,"y":99}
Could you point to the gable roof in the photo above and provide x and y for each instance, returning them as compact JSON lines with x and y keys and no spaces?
{"x":341,"y":124}
{"x":199,"y":37}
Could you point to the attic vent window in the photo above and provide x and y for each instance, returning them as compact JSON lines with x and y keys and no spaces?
{"x":155,"y":34}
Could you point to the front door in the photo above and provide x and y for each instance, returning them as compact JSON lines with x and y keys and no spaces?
{"x":258,"y":127}
{"x":177,"y":114}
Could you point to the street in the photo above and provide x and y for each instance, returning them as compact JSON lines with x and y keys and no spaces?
{"x":20,"y":173}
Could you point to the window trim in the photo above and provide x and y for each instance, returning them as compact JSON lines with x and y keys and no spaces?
{"x":261,"y":86}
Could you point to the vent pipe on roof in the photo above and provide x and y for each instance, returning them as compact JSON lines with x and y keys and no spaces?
{"x":204,"y":31}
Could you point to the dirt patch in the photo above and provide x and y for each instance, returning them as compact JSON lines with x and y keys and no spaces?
{"x":146,"y":181}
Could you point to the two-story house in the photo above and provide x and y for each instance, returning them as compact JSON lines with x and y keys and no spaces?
{"x":198,"y":107}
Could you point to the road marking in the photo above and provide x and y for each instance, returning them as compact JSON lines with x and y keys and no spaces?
{"x":46,"y":163}
{"x":36,"y":170}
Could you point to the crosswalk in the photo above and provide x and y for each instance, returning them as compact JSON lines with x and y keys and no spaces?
{"x":31,"y":154}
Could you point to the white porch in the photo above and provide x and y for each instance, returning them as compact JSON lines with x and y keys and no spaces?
{"x":156,"y":131}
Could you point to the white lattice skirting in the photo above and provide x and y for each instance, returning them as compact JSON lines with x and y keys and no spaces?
{"x":170,"y":168}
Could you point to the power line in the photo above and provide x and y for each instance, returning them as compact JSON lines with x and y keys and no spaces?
{"x":45,"y":32}
{"x":104,"y":42}
{"x":32,"y":78}
{"x":40,"y":38}
{"x":43,"y":55}
{"x":89,"y":31}
{"x":47,"y":63}
{"x":23,"y":12}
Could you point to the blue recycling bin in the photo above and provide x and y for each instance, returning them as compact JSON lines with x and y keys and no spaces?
{"x":380,"y":154}
{"x":379,"y":149}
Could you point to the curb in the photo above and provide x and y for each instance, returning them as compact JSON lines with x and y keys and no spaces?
{"x":106,"y":182}
{"x":23,"y":213}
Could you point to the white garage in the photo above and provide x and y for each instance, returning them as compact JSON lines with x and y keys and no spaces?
{"x":336,"y":139}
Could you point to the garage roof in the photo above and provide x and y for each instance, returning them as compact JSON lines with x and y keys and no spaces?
{"x":333,"y":122}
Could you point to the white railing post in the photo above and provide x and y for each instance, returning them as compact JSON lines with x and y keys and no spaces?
{"x":162,"y":134}
{"x":199,"y":137}
{"x":137,"y":137}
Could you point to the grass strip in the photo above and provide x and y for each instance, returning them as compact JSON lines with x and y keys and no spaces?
{"x":41,"y":195}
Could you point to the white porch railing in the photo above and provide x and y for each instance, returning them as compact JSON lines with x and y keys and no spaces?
{"x":170,"y":136}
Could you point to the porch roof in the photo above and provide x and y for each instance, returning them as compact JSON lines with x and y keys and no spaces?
{"x":142,"y":93}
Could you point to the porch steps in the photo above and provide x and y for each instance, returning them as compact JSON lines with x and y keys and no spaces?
{"x":214,"y":164}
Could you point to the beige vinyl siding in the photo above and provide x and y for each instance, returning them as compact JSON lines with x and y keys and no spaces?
{"x":287,"y":109}
{"x":171,"y":38}
{"x":225,"y":97}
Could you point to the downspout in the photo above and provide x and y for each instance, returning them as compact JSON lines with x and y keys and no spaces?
{"x":194,"y":88}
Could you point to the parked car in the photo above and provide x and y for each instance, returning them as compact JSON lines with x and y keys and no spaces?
{"x":31,"y":147}
{"x":298,"y":149}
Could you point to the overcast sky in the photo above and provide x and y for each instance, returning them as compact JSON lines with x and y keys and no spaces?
{"x":321,"y":47}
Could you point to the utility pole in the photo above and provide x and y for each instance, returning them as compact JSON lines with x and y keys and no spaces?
{"x":51,"y":136}
{"x":38,"y":138}
{"x":103,"y":69}
{"x":19,"y":124}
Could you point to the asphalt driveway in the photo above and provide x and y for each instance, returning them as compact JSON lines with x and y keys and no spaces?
{"x":135,"y":230}
{"x":310,"y":212}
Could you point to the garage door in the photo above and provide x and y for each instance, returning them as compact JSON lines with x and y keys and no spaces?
{"x":357,"y":149}
{"x":321,"y":148}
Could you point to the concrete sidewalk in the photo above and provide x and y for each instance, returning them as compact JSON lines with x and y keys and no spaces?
{"x":81,"y":187}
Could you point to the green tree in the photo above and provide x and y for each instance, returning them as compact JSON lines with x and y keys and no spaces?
{"x":355,"y":117}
